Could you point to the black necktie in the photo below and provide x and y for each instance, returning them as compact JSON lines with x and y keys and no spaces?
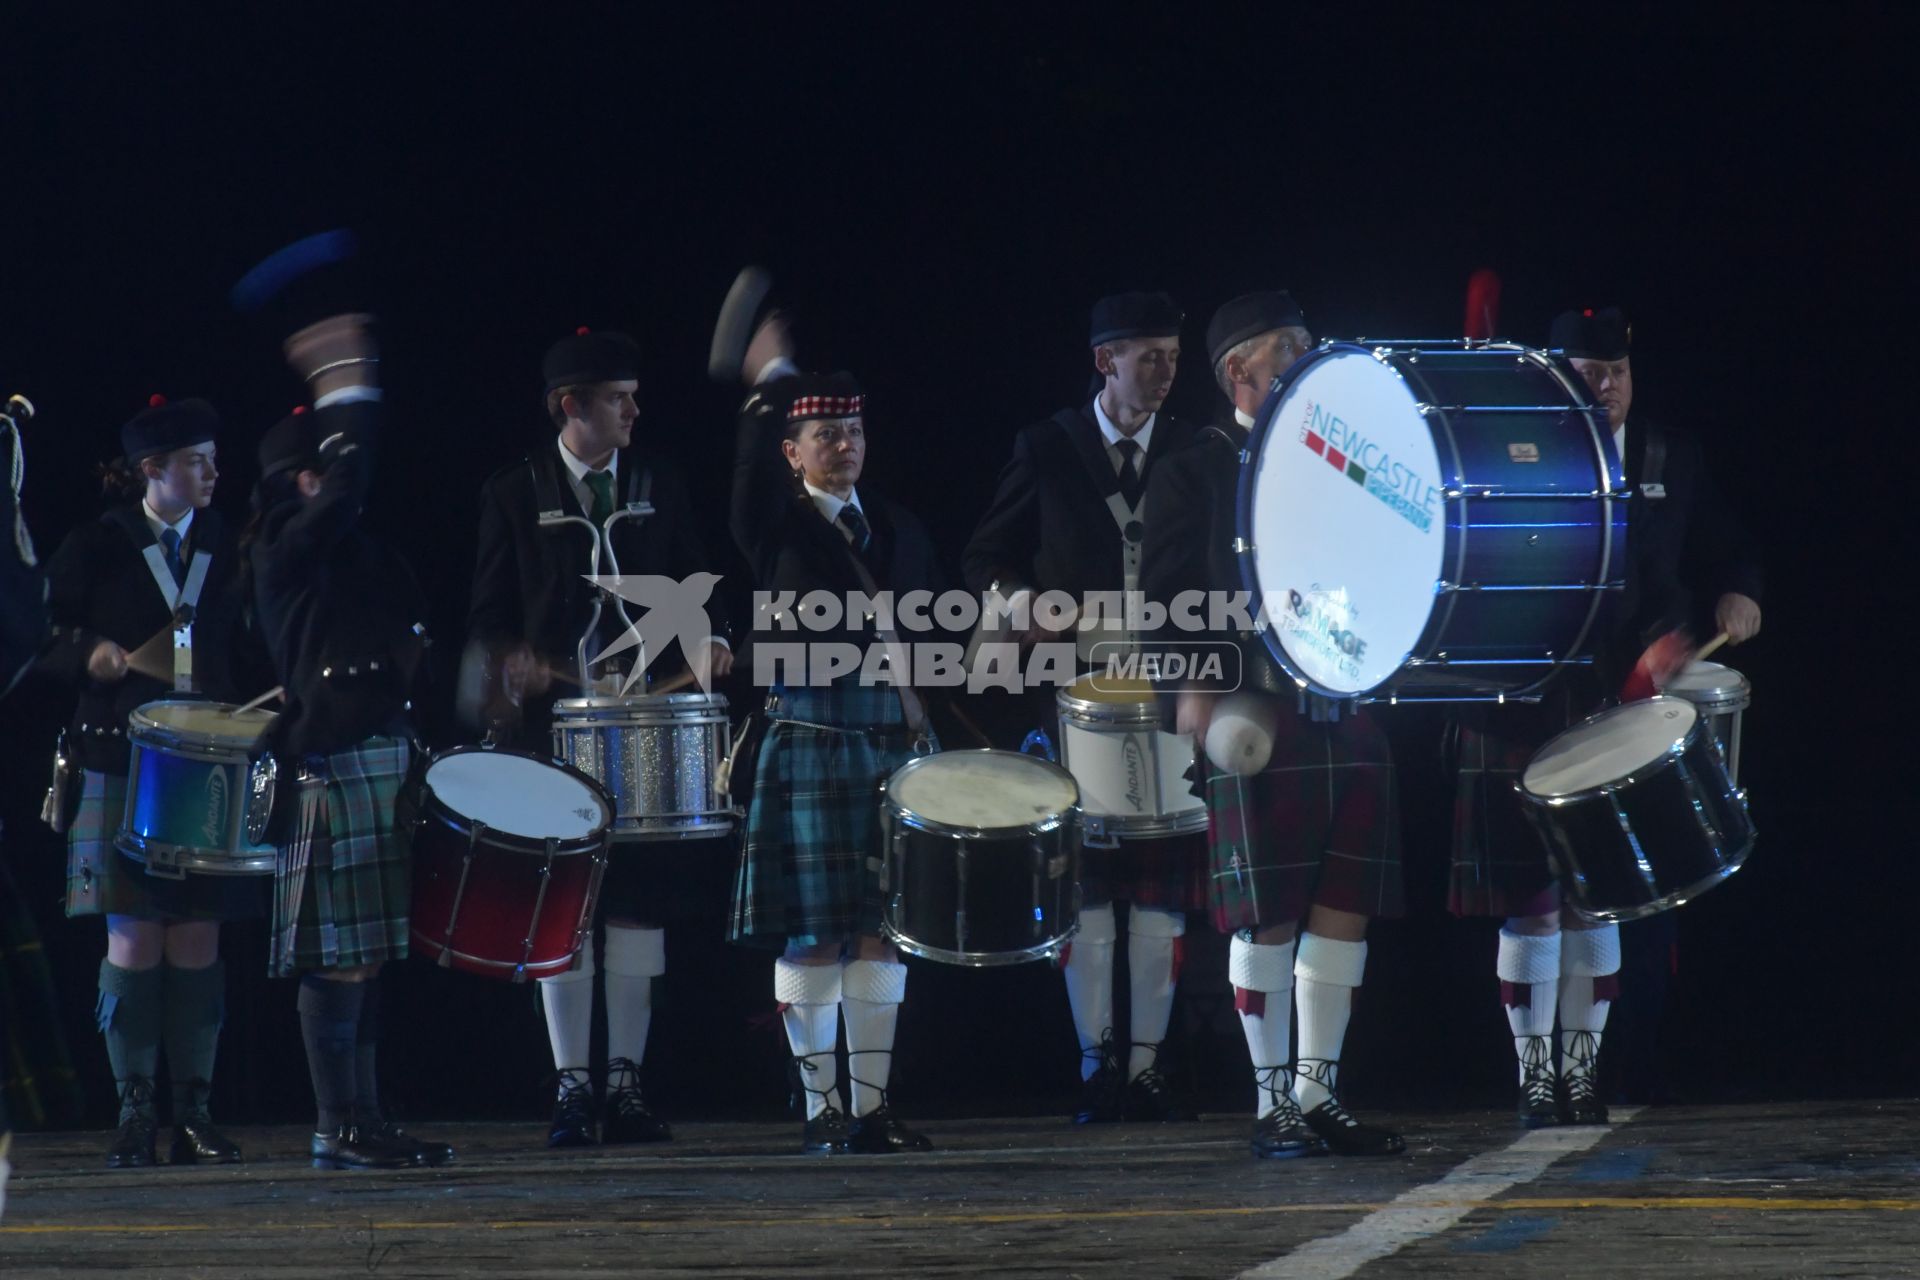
{"x":1129,"y":471}
{"x":170,"y":540}
{"x":856,"y":525}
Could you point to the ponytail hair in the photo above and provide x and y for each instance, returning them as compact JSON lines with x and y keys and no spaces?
{"x":121,"y":479}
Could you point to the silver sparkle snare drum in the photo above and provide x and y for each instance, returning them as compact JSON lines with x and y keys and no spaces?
{"x":658,"y":756}
{"x":1722,"y":696}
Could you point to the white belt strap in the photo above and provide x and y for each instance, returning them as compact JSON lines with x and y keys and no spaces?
{"x":185,"y":595}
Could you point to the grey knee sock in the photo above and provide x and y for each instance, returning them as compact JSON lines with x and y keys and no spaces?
{"x":129,"y":1012}
{"x":196,"y":1006}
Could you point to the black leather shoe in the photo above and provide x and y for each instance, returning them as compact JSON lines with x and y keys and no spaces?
{"x":573,"y":1112}
{"x":196,"y":1141}
{"x":1346,"y":1136}
{"x":1283,"y":1135}
{"x":133,"y":1141}
{"x":877,"y":1134}
{"x":1103,"y":1098}
{"x":1150,"y":1097}
{"x":1539,"y":1106}
{"x":353,"y":1147}
{"x":1580,"y":1102}
{"x":626,"y":1117}
{"x":432,"y":1154}
{"x":825,"y":1134}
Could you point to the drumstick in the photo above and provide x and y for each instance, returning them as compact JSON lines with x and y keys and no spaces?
{"x":155,"y":657}
{"x":1706,"y":650}
{"x":674,"y":685}
{"x":258,"y":702}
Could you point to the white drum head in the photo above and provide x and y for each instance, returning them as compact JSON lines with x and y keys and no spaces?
{"x":209,"y":720}
{"x":1706,"y":682}
{"x":986,"y":789}
{"x":517,"y":795}
{"x":1609,"y":747}
{"x":1348,"y":522}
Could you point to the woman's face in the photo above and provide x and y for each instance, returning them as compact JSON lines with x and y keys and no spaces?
{"x":183,"y":478}
{"x":829,"y":452}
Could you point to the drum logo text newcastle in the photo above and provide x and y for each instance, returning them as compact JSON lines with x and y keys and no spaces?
{"x":1370,"y":466}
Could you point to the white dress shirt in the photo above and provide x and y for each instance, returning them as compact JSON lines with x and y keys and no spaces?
{"x":155,"y":523}
{"x":1113,"y":436}
{"x":1242,"y":417}
{"x":830,"y":505}
{"x":578,"y":470}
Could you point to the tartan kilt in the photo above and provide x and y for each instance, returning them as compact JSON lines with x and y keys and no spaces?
{"x":1166,"y":873}
{"x":101,"y":880}
{"x":809,"y":870}
{"x":1321,"y":823}
{"x":358,"y":883}
{"x":1499,"y":865}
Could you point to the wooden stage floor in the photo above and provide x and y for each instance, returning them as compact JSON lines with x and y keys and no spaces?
{"x":1802,"y":1189}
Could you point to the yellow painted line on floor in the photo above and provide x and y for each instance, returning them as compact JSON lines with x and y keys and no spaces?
{"x":1750,"y":1204}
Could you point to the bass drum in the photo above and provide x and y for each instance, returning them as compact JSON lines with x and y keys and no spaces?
{"x":1436,"y":521}
{"x":508,"y":851}
{"x":1636,"y":809}
{"x":981,"y":857}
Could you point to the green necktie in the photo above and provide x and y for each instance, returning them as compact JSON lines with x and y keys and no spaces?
{"x":601,"y":482}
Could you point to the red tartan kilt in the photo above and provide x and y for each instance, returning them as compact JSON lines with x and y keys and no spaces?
{"x":1167,"y":873}
{"x":1499,"y":865}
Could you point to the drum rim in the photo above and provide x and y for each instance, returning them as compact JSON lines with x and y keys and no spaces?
{"x":977,"y":959}
{"x":1669,"y":901}
{"x":1144,"y":712}
{"x":428,"y":804}
{"x":893,"y":809}
{"x":1659,"y":764}
{"x":143,"y":729}
{"x":612,"y":701}
{"x":143,"y":850}
{"x":1383,"y":350}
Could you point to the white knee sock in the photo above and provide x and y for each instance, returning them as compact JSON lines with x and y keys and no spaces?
{"x":1089,"y":970}
{"x":1152,"y":937}
{"x":568,"y":1001}
{"x":811,"y":994}
{"x":871,"y":992}
{"x":635,"y":957}
{"x":1326,"y":973}
{"x":1265,"y":969}
{"x":1530,"y":962}
{"x":1585,"y":954}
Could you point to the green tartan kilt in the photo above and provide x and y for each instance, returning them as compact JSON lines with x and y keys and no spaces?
{"x":358,"y":884}
{"x":1320,"y":824}
{"x":809,"y":868}
{"x":101,"y":880}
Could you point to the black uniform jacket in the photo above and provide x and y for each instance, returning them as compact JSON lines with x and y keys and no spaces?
{"x":100,"y":587}
{"x":793,"y":550}
{"x":342,"y":613}
{"x":1049,"y":527}
{"x":528,"y":583}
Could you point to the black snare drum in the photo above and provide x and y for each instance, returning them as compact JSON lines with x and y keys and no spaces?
{"x":1637,"y":810}
{"x":982,"y":854}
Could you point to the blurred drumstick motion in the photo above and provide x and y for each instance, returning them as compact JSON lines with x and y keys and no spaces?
{"x":1483,"y":305}
{"x":154,"y":657}
{"x":258,"y":702}
{"x":1707,"y":650}
{"x":1664,"y":659}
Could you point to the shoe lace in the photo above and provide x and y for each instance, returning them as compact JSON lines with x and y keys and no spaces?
{"x":623,"y":1089}
{"x":1104,"y":1054}
{"x":574,"y":1090}
{"x":799,"y":1067}
{"x":885,"y":1097}
{"x":1323,"y":1072}
{"x":136,"y":1100}
{"x":1276,"y":1082}
{"x":1579,"y":1055}
{"x":1536,"y":1065}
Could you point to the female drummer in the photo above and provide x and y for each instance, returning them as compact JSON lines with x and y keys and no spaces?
{"x":338,"y":609}
{"x":806,"y":882}
{"x":158,"y":560}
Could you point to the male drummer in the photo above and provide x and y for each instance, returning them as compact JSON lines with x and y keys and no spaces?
{"x":1068,"y":517}
{"x":1684,"y":545}
{"x":1315,"y":833}
{"x":530,"y":607}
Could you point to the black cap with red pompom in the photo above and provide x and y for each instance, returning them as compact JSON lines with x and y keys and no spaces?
{"x":1591,"y":334}
{"x":587,"y":357}
{"x":165,"y":425}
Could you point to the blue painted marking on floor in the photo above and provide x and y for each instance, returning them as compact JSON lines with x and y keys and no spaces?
{"x":1506,"y":1234}
{"x":1613,"y":1166}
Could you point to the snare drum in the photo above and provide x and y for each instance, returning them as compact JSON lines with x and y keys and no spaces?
{"x":1722,"y":696}
{"x":981,"y":857}
{"x":199,"y":789}
{"x":658,"y":756}
{"x":1430,"y":520}
{"x":1636,"y":809}
{"x":507,"y":856}
{"x":1131,"y":774}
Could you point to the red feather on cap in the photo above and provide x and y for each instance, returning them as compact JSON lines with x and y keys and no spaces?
{"x":1483,"y":304}
{"x":1587,"y":312}
{"x":155,"y":400}
{"x":582,"y":332}
{"x":299,"y":409}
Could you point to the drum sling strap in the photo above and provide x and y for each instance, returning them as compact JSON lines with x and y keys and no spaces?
{"x":898,"y":660}
{"x":547,"y":502}
{"x":182,"y":599}
{"x":1126,"y":518}
{"x":1653,"y":464}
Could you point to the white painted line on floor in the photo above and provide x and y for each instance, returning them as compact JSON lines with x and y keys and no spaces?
{"x":1428,"y":1210}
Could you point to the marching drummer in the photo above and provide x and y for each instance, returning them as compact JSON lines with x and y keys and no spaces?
{"x":1684,"y":546}
{"x":530,"y":607}
{"x":1068,"y":517}
{"x":808,"y":882}
{"x":144,"y":606}
{"x":1313,"y":833}
{"x":338,"y":609}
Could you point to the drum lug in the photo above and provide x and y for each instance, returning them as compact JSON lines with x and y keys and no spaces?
{"x":1093,"y":832}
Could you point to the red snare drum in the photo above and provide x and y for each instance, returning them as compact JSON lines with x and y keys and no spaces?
{"x":507,"y":855}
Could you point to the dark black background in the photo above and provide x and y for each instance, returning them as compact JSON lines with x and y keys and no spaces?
{"x":941,"y":193}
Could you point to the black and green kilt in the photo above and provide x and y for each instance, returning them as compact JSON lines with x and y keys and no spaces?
{"x":810,"y":864}
{"x":358,"y":883}
{"x":1167,"y":873}
{"x":1499,"y":865}
{"x":101,"y":880}
{"x":1320,"y":824}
